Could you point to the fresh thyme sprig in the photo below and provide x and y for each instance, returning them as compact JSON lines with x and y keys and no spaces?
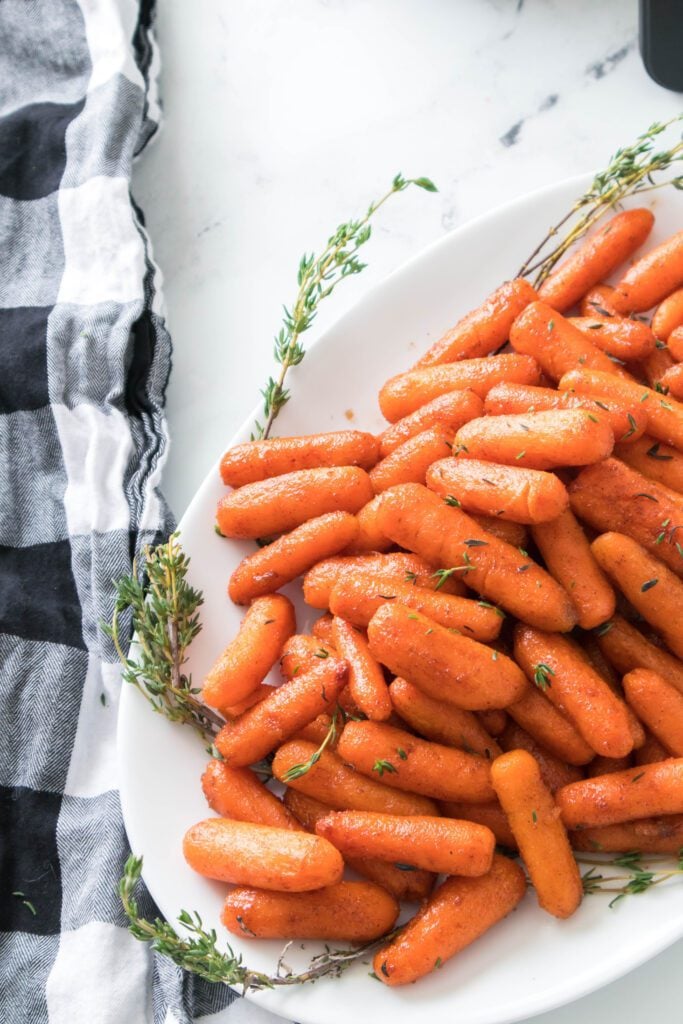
{"x":297,"y":770}
{"x":317,"y":278}
{"x":642,"y":874}
{"x":632,"y":169}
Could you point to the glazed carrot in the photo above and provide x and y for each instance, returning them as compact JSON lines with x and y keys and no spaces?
{"x":651,"y":751}
{"x":606,"y":765}
{"x":316,"y":732}
{"x":302,"y":653}
{"x":433,"y":844}
{"x":654,"y":367}
{"x":441,"y":722}
{"x":409,"y":763}
{"x":494,"y":721}
{"x":366,"y":678}
{"x":626,"y":648}
{"x":537,"y":440}
{"x":261,"y":729}
{"x":569,"y":681}
{"x":410,"y":461}
{"x":541,"y":836}
{"x":612,"y":496}
{"x":654,"y":460}
{"x":259,"y":460}
{"x":444,"y":665}
{"x":626,"y":339}
{"x":673,"y":381}
{"x":659,"y":705}
{"x":675,"y":343}
{"x":510,"y":492}
{"x":569,"y":559}
{"x":369,"y":539}
{"x":257,"y":695}
{"x":280,"y":504}
{"x":654,"y":276}
{"x":624,"y":796}
{"x":396,"y":567}
{"x":668,"y":315}
{"x":322,"y":629}
{"x":591,"y":648}
{"x":483,"y":330}
{"x":238,"y":793}
{"x":448,"y":411}
{"x":627,"y":419}
{"x":346,"y":911}
{"x":653,"y":590}
{"x":554,"y":772}
{"x":404,"y":394}
{"x":460,"y":911}
{"x":492,"y":815}
{"x":271,"y":567}
{"x":596,"y":258}
{"x":555,"y":344}
{"x":336,"y":784}
{"x":270,"y":858}
{"x":649,"y":835}
{"x":550,"y":728}
{"x":420,"y":521}
{"x":357,"y":598}
{"x":248,"y":658}
{"x":598,"y":302}
{"x":512,"y":533}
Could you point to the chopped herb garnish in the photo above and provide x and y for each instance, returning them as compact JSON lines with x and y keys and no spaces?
{"x":384,"y":766}
{"x":542,"y":674}
{"x":648,"y":585}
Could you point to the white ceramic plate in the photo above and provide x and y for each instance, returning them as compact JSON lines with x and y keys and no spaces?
{"x":530,"y":962}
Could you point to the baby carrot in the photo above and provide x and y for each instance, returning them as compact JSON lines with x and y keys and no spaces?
{"x":654,"y":367}
{"x":649,"y":835}
{"x":557,"y":665}
{"x":654,"y":276}
{"x":550,"y":728}
{"x":420,"y":521}
{"x":258,"y":460}
{"x":278,"y":563}
{"x":441,"y":722}
{"x":443,"y":664}
{"x":653,"y":590}
{"x":448,"y":411}
{"x":537,"y":440}
{"x":346,"y":911}
{"x":270,"y":858}
{"x":668,"y":315}
{"x":675,"y":343}
{"x":322,"y":629}
{"x":510,"y":492}
{"x":651,"y":751}
{"x":620,"y":337}
{"x":407,"y":392}
{"x":596,"y":258}
{"x":555,"y":344}
{"x":541,"y":836}
{"x":302,"y":653}
{"x":554,"y":772}
{"x":442,"y":845}
{"x":248,"y":659}
{"x":659,"y":705}
{"x":654,"y":460}
{"x":317,"y":732}
{"x":366,"y":678}
{"x":396,"y":567}
{"x":598,"y":302}
{"x":626,"y":648}
{"x":672,"y":380}
{"x":261,"y":729}
{"x":491,"y":814}
{"x":460,"y":911}
{"x":238,"y":793}
{"x":410,"y":461}
{"x":257,"y":695}
{"x":483,"y":330}
{"x":569,"y":559}
{"x":280,"y":504}
{"x":504,"y":529}
{"x":369,"y":538}
{"x":641,"y":792}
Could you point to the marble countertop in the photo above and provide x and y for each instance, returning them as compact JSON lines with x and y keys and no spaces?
{"x":284,"y":118}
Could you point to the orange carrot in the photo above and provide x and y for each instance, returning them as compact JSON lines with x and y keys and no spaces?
{"x":591,"y":648}
{"x":649,"y":835}
{"x":288,"y":557}
{"x":555,"y":344}
{"x":270,"y":858}
{"x":554,"y":772}
{"x":550,"y":728}
{"x":504,"y":529}
{"x":410,"y":461}
{"x":598,"y":302}
{"x":643,"y":792}
{"x":654,"y":460}
{"x":317,"y":732}
{"x":322,"y":629}
{"x":654,"y":367}
{"x":620,"y":337}
{"x":460,"y":911}
{"x":659,"y":705}
{"x":668,"y":315}
{"x":237,"y":793}
{"x":626,"y":648}
{"x":522,"y":495}
{"x":672,"y":380}
{"x":248,"y":658}
{"x":483,"y":330}
{"x":494,"y":721}
{"x":675,"y":343}
{"x":369,"y":538}
{"x":441,"y":722}
{"x":492,"y":815}
{"x":448,"y":411}
{"x":396,"y":567}
{"x":654,"y":276}
{"x":259,"y":460}
{"x":596,"y":258}
{"x":651,"y":751}
{"x":366,"y":678}
{"x":302,"y":653}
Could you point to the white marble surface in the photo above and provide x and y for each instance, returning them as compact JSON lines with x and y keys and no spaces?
{"x":284,"y":117}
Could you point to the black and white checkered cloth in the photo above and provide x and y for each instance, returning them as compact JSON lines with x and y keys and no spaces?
{"x":84,"y":360}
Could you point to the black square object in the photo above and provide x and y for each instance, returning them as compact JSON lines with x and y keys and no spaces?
{"x":142,"y":337}
{"x":29,"y":861}
{"x":33,"y":148}
{"x":38,"y":597}
{"x":23,"y":358}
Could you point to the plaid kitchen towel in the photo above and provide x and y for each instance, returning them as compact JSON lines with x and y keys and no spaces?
{"x":84,"y":360}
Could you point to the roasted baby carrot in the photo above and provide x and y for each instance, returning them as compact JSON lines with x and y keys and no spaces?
{"x":651,"y":751}
{"x":280,"y":504}
{"x":278,"y":563}
{"x":483,"y":330}
{"x":261,"y":729}
{"x":596,"y":258}
{"x":649,"y":835}
{"x":625,"y":339}
{"x":237,"y":793}
{"x":248,"y":658}
{"x":442,"y":845}
{"x":441,"y":722}
{"x":369,"y":538}
{"x":659,"y":705}
{"x":555,"y":344}
{"x":550,"y":728}
{"x":446,"y":537}
{"x":640,"y":792}
{"x":445,"y":665}
{"x":322,"y":629}
{"x":494,"y":721}
{"x":317,"y":732}
{"x":556,"y":664}
{"x":569,"y":559}
{"x":410,"y":461}
{"x":654,"y":460}
{"x":459,"y":912}
{"x":257,"y":695}
{"x":512,"y":533}
{"x":366,"y":678}
{"x":672,"y":380}
{"x":668,"y":315}
{"x":510,"y":492}
{"x":491,"y":814}
{"x":258,"y":460}
{"x":404,"y":394}
{"x":537,"y":440}
{"x":395,"y":567}
{"x":554,"y":772}
{"x":653,"y":590}
{"x":654,"y":366}
{"x":301,"y":653}
{"x":654,"y":276}
{"x":626,"y":648}
{"x":598,"y":302}
{"x":448,"y":411}
{"x":675,"y":343}
{"x":541,"y":836}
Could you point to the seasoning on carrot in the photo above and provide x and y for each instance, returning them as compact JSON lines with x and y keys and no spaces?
{"x":258,"y":460}
{"x":654,"y":276}
{"x":655,"y":460}
{"x":626,"y":648}
{"x":659,"y":705}
{"x":640,"y":792}
{"x":410,"y":461}
{"x":366,"y":678}
{"x":238,"y":793}
{"x":515,"y":534}
{"x":556,"y":345}
{"x":554,"y":771}
{"x":441,"y":722}
{"x":648,"y":835}
{"x":672,"y":380}
{"x":668,"y":315}
{"x":395,"y":567}
{"x":491,"y":814}
{"x":448,"y":411}
{"x":549,"y":726}
{"x":369,"y":538}
{"x":625,"y":339}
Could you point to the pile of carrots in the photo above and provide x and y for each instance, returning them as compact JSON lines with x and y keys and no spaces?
{"x":500,"y":577}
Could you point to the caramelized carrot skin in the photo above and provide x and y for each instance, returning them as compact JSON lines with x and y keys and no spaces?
{"x":647,"y":835}
{"x":410,"y":461}
{"x":626,"y":649}
{"x":550,"y":728}
{"x":491,"y":814}
{"x":366,"y":678}
{"x":640,"y":792}
{"x":556,"y":345}
{"x":370,"y":538}
{"x":654,"y":460}
{"x":510,"y":492}
{"x":441,"y":722}
{"x":668,"y":315}
{"x":598,"y":302}
{"x":515,"y":534}
{"x":554,"y":772}
{"x":659,"y":705}
{"x":448,"y":411}
{"x":460,"y":911}
{"x":654,"y":276}
{"x":672,"y":379}
{"x":625,"y":339}
{"x":238,"y":793}
{"x":258,"y":460}
{"x":396,"y":567}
